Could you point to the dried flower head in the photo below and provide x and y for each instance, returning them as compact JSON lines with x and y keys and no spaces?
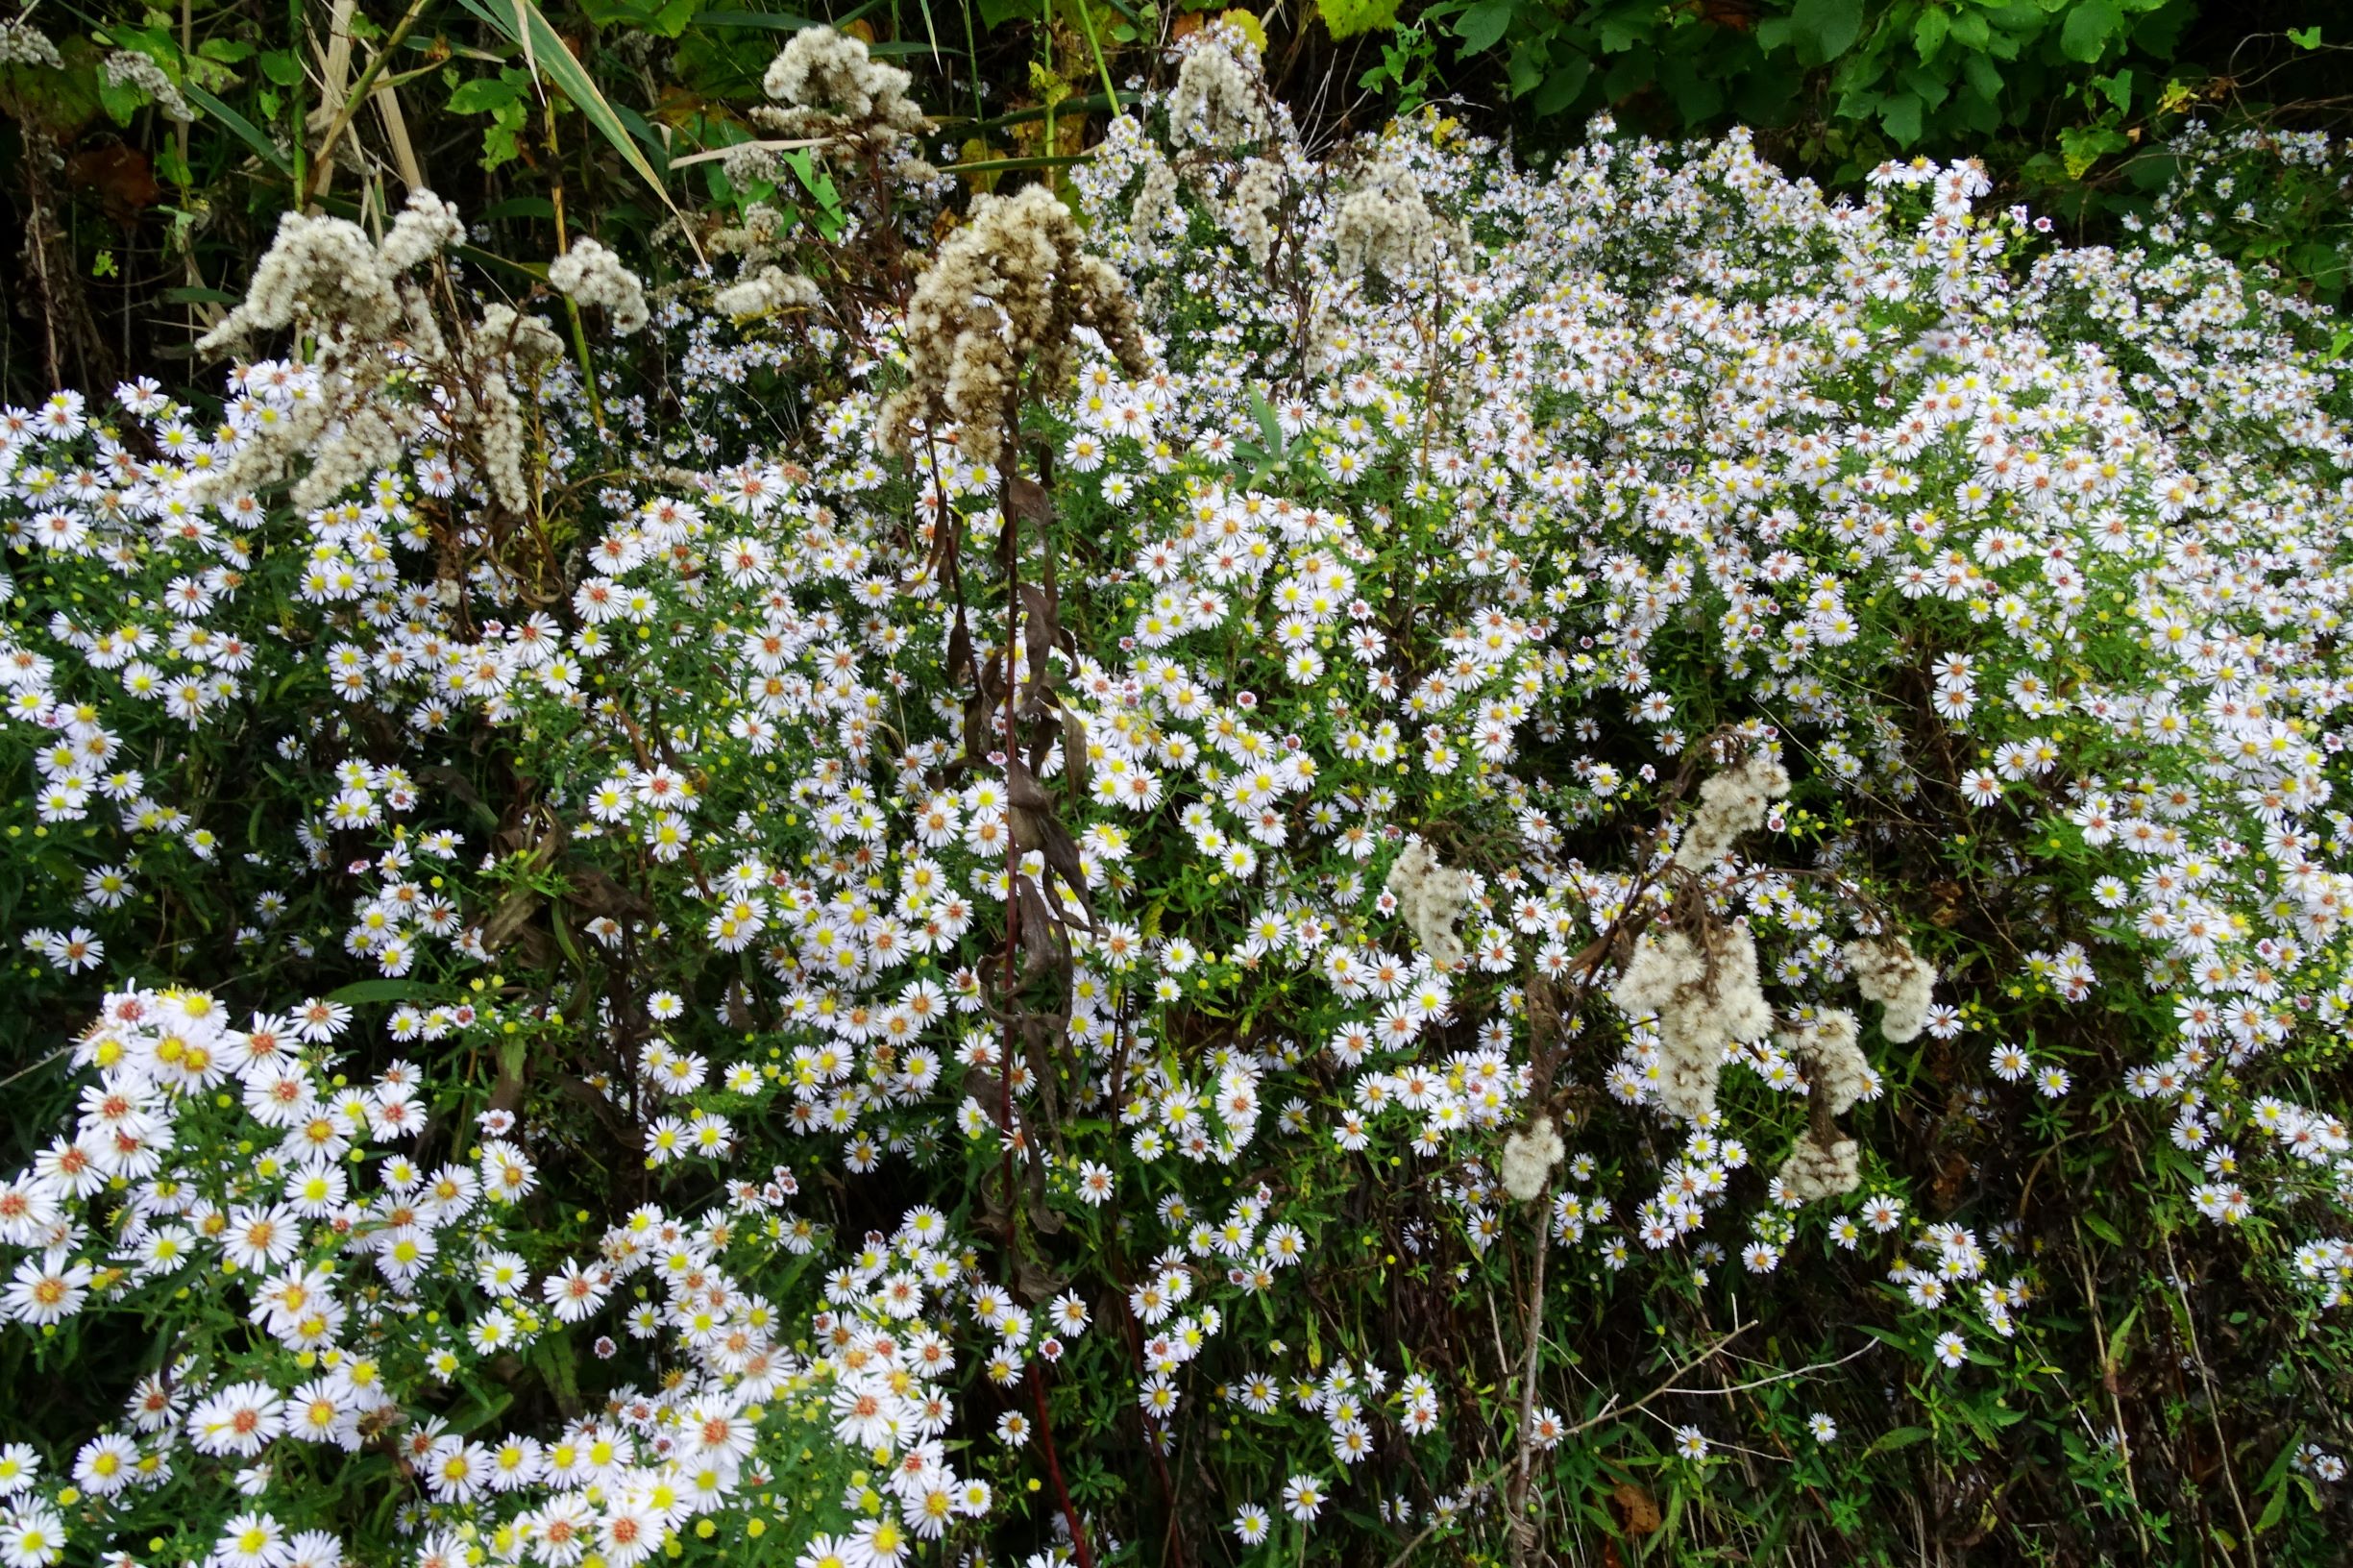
{"x":1385,"y":226}
{"x":1257,"y":193}
{"x":1816,"y":1170}
{"x":1220,"y":90}
{"x":766,"y":292}
{"x":831,"y":87}
{"x":1431,"y":898}
{"x":21,"y":43}
{"x":1731,"y":803}
{"x":129,"y":68}
{"x":1707,"y":994}
{"x":1008,"y":289}
{"x":592,"y":274}
{"x":1842,"y":1073}
{"x":1528,"y":1158}
{"x":1887,"y":971}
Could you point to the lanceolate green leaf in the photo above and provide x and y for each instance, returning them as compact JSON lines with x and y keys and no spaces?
{"x":243,"y":128}
{"x":526,"y":24}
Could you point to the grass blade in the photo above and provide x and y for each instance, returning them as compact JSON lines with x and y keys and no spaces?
{"x":550,"y":60}
{"x":243,"y":128}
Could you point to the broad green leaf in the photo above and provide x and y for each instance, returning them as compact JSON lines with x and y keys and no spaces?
{"x":1482,"y":26}
{"x":1932,"y":88}
{"x":121,"y":100}
{"x":482,"y":95}
{"x":1524,"y":72}
{"x":1561,"y":87}
{"x":1621,"y":31}
{"x":1346,"y":18}
{"x":1901,"y":115}
{"x":1826,"y":29}
{"x":2089,"y":27}
{"x":2084,"y":145}
{"x":1983,"y":75}
{"x":1929,"y":31}
{"x":281,"y":68}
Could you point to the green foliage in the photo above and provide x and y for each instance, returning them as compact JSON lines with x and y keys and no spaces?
{"x":1346,"y":18}
{"x":1864,"y":75}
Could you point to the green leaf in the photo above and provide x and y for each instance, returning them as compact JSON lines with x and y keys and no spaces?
{"x":1481,"y":27}
{"x":1983,"y":75}
{"x":2084,"y":145}
{"x":1932,"y":86}
{"x":243,"y":128}
{"x":2305,"y":37}
{"x":281,"y":68}
{"x":1524,"y":72}
{"x":1928,"y":33}
{"x":361,"y":992}
{"x":2103,"y":1229}
{"x":2089,"y":27}
{"x":1901,"y":1437}
{"x":768,"y":21}
{"x":1899,"y":112}
{"x":120,"y":100}
{"x":2116,"y":89}
{"x":1346,"y":18}
{"x":228,"y":51}
{"x":1621,"y":31}
{"x":1824,"y":29}
{"x":657,"y":151}
{"x":1561,"y":87}
{"x":521,"y":21}
{"x":1270,"y":429}
{"x":482,"y":95}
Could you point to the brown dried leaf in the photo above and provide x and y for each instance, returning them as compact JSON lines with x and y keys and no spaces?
{"x":1637,"y":1512}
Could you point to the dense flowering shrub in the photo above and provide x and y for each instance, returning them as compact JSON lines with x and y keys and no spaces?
{"x":1415,"y":860}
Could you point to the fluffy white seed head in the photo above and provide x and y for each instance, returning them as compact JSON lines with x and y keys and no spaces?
{"x":1814,"y":1170}
{"x":1009,"y":288}
{"x":1217,"y":99}
{"x":1707,"y":996}
{"x":589,"y":274}
{"x":1887,"y":971}
{"x":1731,"y":803}
{"x":1431,"y":898}
{"x":1528,"y":1158}
{"x":1842,"y":1073}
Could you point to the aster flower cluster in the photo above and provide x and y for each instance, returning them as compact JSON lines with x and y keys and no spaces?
{"x":679,"y":912}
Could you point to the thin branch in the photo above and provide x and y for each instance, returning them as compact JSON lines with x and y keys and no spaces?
{"x":1781,"y":1377}
{"x":1608,"y":1411}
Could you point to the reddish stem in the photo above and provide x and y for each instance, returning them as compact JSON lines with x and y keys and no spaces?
{"x":1053,"y":1469}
